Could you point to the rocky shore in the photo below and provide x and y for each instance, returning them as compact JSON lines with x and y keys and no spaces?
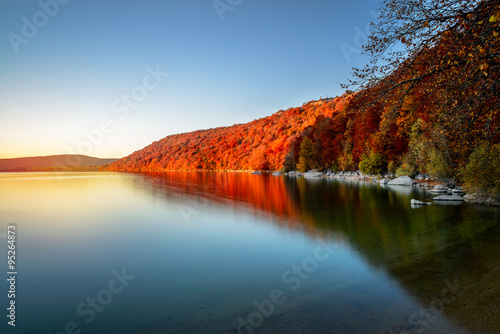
{"x":446,"y":193}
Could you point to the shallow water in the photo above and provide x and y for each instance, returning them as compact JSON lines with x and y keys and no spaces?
{"x":241,"y":253}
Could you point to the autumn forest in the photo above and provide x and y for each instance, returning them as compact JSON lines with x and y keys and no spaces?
{"x":428,"y":102}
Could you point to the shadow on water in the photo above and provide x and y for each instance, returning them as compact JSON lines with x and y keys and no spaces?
{"x":446,"y":256}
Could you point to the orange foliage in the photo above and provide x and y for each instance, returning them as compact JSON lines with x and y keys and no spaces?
{"x":261,"y":144}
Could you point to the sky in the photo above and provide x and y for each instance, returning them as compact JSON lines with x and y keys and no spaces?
{"x":107,"y":78}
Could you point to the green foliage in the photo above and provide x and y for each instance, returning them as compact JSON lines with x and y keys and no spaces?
{"x":334,"y":167}
{"x":418,"y":145}
{"x":392,"y":167}
{"x":408,"y":167}
{"x":302,"y":166}
{"x":307,"y":156}
{"x":437,"y":165}
{"x":346,"y":162}
{"x":482,"y":173}
{"x":372,"y":164}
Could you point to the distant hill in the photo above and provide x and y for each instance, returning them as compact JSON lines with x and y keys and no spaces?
{"x":262,"y":144}
{"x":53,"y":162}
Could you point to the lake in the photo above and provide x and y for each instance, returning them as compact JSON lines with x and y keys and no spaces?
{"x":183,"y":252}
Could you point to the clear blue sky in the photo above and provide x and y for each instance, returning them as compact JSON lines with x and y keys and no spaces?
{"x":74,"y":73}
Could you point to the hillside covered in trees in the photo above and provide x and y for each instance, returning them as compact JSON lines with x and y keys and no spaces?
{"x":264,"y":144}
{"x":428,"y":102}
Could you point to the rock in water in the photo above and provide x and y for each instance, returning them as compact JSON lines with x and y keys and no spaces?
{"x":385,"y":181}
{"x":482,"y":199}
{"x":402,"y":181}
{"x":417,"y":202}
{"x":454,"y":198}
{"x":439,"y":189}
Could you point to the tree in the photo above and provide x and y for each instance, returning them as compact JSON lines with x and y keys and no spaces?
{"x":482,"y":173}
{"x":440,"y":59}
{"x":375,"y":163}
{"x":307,"y":156}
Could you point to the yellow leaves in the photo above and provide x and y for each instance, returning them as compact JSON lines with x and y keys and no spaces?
{"x":495,"y":34}
{"x":484,"y":67}
{"x":480,"y":22}
{"x":494,"y":18}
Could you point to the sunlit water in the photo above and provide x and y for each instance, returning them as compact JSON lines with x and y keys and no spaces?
{"x":240,"y":253}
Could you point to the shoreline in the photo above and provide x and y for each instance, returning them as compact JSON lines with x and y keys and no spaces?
{"x":431,"y":185}
{"x":420,"y":181}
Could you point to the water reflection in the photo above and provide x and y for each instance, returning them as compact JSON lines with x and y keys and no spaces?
{"x":423,"y":249}
{"x":205,"y":246}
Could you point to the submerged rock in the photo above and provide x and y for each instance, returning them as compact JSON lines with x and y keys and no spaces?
{"x":256,"y":173}
{"x":402,"y":181}
{"x":385,"y":181}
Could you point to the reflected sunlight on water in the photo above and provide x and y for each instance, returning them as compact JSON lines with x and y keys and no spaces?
{"x":205,"y":246}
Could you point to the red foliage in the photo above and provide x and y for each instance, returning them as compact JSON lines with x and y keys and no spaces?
{"x":261,"y":144}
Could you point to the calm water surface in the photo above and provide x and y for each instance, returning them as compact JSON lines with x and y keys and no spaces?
{"x":240,"y":253}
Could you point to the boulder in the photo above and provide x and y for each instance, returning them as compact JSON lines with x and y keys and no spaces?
{"x":454,"y":198}
{"x":256,"y":173}
{"x":402,"y":181}
{"x":292,"y":173}
{"x":277,"y":173}
{"x":482,"y":199}
{"x":385,"y":181}
{"x":312,"y":173}
{"x":439,"y":189}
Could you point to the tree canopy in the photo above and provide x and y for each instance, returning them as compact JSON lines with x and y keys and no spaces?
{"x":437,"y":61}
